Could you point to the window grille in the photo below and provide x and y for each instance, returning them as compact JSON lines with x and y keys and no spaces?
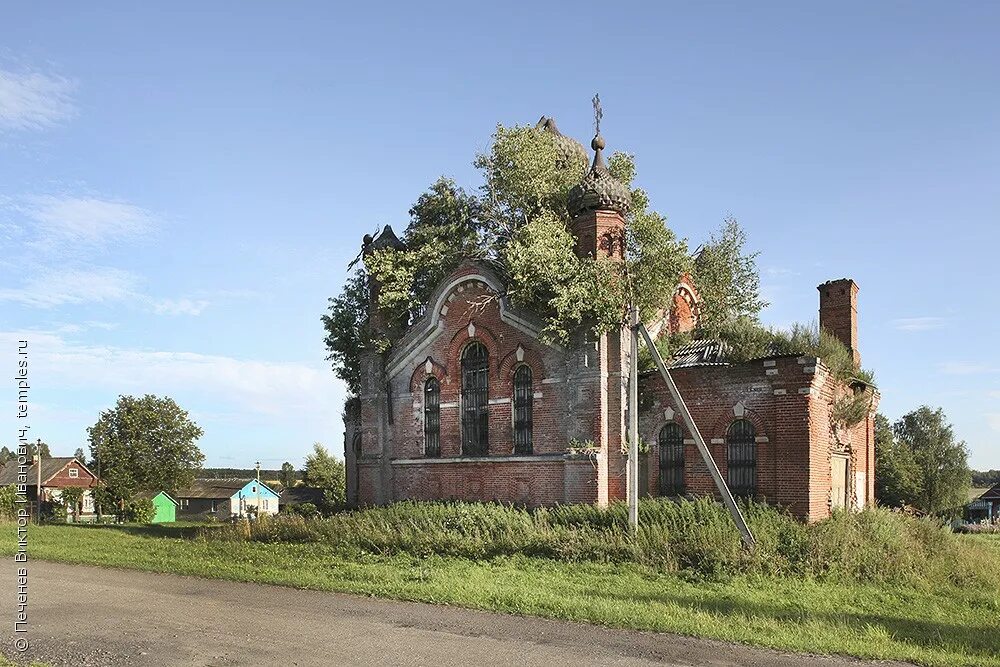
{"x":671,"y":444}
{"x":475,"y":415}
{"x":742,"y":458}
{"x":432,"y":417}
{"x":522,"y":410}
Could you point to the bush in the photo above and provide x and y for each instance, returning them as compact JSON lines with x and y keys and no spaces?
{"x":140,"y":510}
{"x":696,"y":537}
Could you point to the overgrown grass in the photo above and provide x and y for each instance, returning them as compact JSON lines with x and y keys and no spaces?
{"x":694,"y":538}
{"x":874,"y":585}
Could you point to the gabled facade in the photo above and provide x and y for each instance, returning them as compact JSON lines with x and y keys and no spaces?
{"x":57,"y":473}
{"x":470,"y":403}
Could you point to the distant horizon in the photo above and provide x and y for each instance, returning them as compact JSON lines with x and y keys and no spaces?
{"x":178,"y":204}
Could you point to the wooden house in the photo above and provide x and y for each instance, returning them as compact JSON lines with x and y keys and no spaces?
{"x":57,"y":473}
{"x":223,"y":499}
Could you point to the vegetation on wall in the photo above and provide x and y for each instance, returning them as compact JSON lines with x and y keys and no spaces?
{"x":517,"y":221}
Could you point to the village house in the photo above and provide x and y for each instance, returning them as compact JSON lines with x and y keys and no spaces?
{"x":223,"y":499}
{"x":984,"y":505}
{"x":471,"y":403}
{"x":57,"y":474}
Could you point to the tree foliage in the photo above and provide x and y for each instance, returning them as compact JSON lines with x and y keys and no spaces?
{"x":324,"y":471}
{"x":145,"y":444}
{"x":518,"y":223}
{"x":287,"y":476}
{"x":897,"y":478}
{"x":727,"y":279}
{"x":940,"y":459}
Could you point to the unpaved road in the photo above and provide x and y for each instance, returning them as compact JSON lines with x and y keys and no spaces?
{"x":87,"y":616}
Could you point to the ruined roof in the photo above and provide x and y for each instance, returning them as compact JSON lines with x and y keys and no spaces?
{"x":570,"y":151}
{"x":700,"y":353}
{"x":50,"y":466}
{"x":386,"y":239}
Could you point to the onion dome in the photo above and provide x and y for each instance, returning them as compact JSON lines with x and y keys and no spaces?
{"x":570,"y":151}
{"x":599,"y":190}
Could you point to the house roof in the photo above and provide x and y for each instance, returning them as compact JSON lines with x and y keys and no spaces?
{"x":301,"y":494}
{"x":700,"y":353}
{"x":150,"y":495}
{"x":218,"y":489}
{"x":992,"y":493}
{"x":50,"y":467}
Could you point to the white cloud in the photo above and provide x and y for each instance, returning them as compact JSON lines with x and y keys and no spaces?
{"x":55,"y":288}
{"x":180,"y":306}
{"x":242,"y":387}
{"x":67,"y":222}
{"x":967,"y":368}
{"x":993,"y":418}
{"x":918,"y":323}
{"x":34,"y":101}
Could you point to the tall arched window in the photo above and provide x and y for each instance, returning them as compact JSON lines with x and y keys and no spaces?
{"x":671,"y":442}
{"x":742,"y":459}
{"x":475,"y":418}
{"x":432,"y":417}
{"x":522,"y":410}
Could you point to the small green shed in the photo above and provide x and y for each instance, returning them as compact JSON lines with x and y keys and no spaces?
{"x":165,"y":505}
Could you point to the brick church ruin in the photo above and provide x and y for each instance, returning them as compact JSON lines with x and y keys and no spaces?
{"x":471,"y":403}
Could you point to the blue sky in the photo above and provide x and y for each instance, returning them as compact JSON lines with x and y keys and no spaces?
{"x":183,"y":185}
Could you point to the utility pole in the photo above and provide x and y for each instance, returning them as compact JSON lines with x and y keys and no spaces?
{"x":38,"y":486}
{"x":258,"y":489}
{"x":632,"y":476}
{"x":699,"y":441}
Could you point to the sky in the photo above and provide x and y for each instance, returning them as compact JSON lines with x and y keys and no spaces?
{"x":182,"y":185}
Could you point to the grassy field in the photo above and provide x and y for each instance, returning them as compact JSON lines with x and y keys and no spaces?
{"x":941,"y":624}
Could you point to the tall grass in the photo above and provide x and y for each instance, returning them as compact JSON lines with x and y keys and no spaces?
{"x":692,"y":537}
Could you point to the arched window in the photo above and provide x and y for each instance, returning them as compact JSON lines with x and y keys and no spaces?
{"x":522,"y":410}
{"x":671,"y":442}
{"x":475,"y":418}
{"x":742,"y":459}
{"x":432,"y":417}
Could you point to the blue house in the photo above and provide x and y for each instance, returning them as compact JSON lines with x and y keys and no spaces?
{"x":225,"y":498}
{"x":986,"y":507}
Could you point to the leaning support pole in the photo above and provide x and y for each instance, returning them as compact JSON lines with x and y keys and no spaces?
{"x":632,"y":476}
{"x":727,"y":496}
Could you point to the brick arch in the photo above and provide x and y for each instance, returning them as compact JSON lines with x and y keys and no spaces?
{"x":509,"y":364}
{"x":721,"y":427}
{"x":420,"y":375}
{"x":462,"y":338}
{"x":654,"y":435}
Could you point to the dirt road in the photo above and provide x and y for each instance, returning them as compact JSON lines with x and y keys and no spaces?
{"x":87,"y":616}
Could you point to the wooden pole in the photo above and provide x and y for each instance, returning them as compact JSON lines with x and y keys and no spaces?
{"x":632,"y":475}
{"x":727,"y":496}
{"x":38,"y":486}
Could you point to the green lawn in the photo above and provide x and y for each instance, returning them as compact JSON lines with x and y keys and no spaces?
{"x":942,"y":626}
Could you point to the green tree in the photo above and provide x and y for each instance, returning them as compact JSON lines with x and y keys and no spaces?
{"x":6,"y":455}
{"x":42,"y":449}
{"x":71,"y":499}
{"x":287,"y":475}
{"x":897,"y":477}
{"x":942,"y":460}
{"x":145,"y":444}
{"x":324,"y":471}
{"x":727,"y":279}
{"x":80,"y":455}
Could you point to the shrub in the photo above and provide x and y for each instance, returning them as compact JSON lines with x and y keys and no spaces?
{"x":697,"y":537}
{"x":140,"y":510}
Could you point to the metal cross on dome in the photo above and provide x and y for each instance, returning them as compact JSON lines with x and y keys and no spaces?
{"x":598,"y":113}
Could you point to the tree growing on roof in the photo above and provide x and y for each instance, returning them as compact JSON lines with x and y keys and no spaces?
{"x":145,"y":444}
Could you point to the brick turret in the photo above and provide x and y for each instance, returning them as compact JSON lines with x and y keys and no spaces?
{"x":838,"y":312}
